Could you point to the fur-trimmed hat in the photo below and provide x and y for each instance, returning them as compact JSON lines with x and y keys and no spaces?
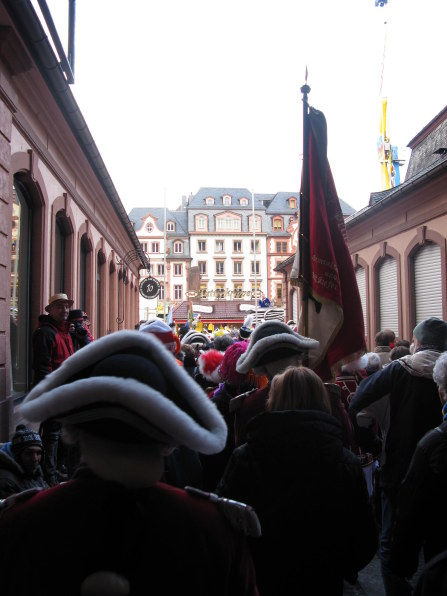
{"x":432,"y":333}
{"x":195,"y":337}
{"x":124,"y":388}
{"x":227,"y":369}
{"x":271,"y":341}
{"x":209,"y":363}
{"x":164,"y":333}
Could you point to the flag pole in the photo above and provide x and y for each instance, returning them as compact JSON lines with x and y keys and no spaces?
{"x":303,"y":238}
{"x":254,"y":253}
{"x":164,"y":258}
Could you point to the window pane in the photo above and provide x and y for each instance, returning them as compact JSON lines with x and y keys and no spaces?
{"x":20,"y":287}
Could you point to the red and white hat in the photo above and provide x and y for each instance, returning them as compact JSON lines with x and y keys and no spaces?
{"x":164,"y":333}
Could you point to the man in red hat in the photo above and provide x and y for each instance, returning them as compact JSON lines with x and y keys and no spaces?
{"x":52,"y":345}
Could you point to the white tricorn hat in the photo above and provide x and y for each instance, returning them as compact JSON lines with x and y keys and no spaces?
{"x":127,"y":388}
{"x":271,"y":341}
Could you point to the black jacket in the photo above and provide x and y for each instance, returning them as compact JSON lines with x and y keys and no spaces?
{"x":421,"y":515}
{"x":13,"y":478}
{"x":311,"y":498}
{"x":405,"y":390}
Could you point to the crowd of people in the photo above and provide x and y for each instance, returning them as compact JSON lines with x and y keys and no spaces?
{"x":223,"y":464}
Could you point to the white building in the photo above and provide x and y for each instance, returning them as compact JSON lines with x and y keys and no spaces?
{"x":210,"y":243}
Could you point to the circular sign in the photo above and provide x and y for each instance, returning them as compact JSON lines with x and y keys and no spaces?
{"x":149,"y":287}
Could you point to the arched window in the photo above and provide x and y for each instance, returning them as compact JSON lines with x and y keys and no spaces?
{"x":427,"y":282}
{"x":19,"y":302}
{"x":360,"y":275}
{"x":62,"y":253}
{"x":388,"y":295}
{"x":100,"y":294}
{"x":59,"y":256}
{"x":85,"y":270}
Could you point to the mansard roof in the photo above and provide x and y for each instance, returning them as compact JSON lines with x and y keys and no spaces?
{"x":197,"y":201}
{"x":428,"y":146}
{"x":280,"y":203}
{"x":180,"y":218}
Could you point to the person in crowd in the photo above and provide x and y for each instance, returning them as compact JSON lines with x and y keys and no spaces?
{"x":20,"y":463}
{"x":52,"y":345}
{"x":339,"y":411}
{"x":351,"y":374}
{"x":115,"y":527}
{"x":182,"y":465}
{"x":307,"y":489}
{"x":246,"y":328}
{"x":208,"y":364}
{"x":372,"y":363}
{"x":383,"y":340}
{"x":402,"y":399}
{"x":189,"y":359}
{"x":348,"y":378}
{"x":232,"y":383}
{"x":402,"y":342}
{"x":398,"y":352}
{"x":273,"y":346}
{"x":222,"y":342}
{"x":420,"y":518}
{"x":87,"y":324}
{"x":80,"y":335}
{"x":51,"y":340}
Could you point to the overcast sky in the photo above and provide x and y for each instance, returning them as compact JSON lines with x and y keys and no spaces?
{"x":188,"y":93}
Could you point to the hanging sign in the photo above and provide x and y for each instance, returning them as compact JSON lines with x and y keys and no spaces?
{"x":149,"y":287}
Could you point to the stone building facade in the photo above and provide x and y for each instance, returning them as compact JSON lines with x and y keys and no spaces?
{"x":63,"y":227}
{"x":233,"y":240}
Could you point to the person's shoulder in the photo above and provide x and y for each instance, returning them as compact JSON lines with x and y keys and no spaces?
{"x":433,"y":438}
{"x":208,"y":512}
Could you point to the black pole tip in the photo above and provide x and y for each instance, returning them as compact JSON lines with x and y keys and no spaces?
{"x":305,"y":89}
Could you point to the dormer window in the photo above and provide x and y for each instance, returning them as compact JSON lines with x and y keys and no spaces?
{"x":226,"y":200}
{"x":292,"y":203}
{"x":170,"y":227}
{"x":243,"y":202}
{"x":277,"y":224}
{"x":209,"y":201}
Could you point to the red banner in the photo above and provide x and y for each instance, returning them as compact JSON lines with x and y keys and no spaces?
{"x":334,"y":310}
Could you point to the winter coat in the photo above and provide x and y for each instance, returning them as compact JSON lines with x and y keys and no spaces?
{"x":384,"y":354}
{"x":160,"y":539}
{"x":404,"y":399}
{"x":13,"y":478}
{"x":311,"y":498}
{"x":51,"y":346}
{"x":245,"y":407}
{"x":421,"y":520}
